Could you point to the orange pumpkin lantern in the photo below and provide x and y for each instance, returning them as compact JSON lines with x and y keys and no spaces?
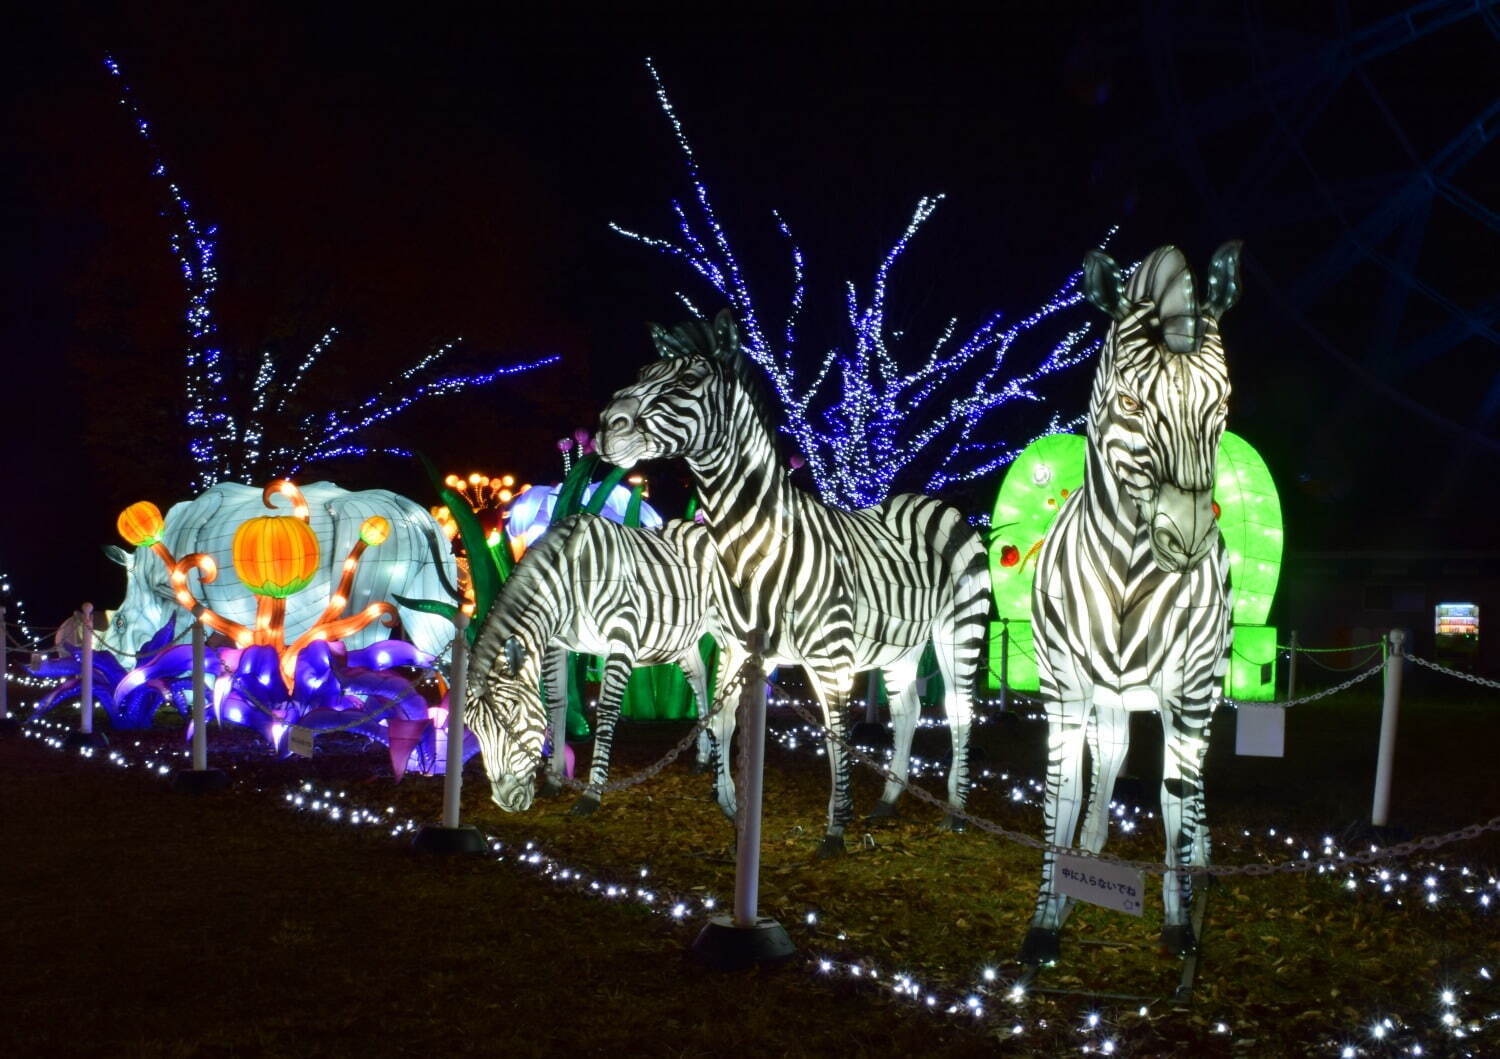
{"x":141,"y":523}
{"x":275,"y":555}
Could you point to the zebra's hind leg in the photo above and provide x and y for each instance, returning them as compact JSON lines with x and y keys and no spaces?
{"x":1109,"y":742}
{"x":831,"y":682}
{"x":611,"y":691}
{"x":906,"y":708}
{"x":722,"y":723}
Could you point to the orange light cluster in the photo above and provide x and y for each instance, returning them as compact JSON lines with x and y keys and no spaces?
{"x":482,"y":493}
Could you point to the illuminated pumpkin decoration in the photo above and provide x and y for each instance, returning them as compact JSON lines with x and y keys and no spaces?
{"x":275,"y":555}
{"x":141,"y":523}
{"x":375,"y":530}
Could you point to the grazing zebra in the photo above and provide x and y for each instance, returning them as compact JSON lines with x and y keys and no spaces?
{"x":833,"y":591}
{"x":635,"y":596}
{"x":1131,"y":602}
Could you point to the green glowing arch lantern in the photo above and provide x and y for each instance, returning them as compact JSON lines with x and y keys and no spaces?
{"x":1045,"y":477}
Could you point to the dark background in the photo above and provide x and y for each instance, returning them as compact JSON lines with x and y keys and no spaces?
{"x":441,"y":174}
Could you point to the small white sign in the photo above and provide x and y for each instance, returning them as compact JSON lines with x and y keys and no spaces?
{"x":1101,"y":882}
{"x":299,"y":740}
{"x":1260,"y":731}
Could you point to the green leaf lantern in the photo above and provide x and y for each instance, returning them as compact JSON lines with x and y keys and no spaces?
{"x":1040,"y":482}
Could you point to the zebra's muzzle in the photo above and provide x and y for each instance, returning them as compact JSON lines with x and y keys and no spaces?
{"x":511,"y":793}
{"x":1182,"y":527}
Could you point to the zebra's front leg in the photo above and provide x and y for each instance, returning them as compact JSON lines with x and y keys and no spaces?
{"x":906,"y":708}
{"x":1185,"y":729}
{"x":832,"y":683}
{"x":722,"y":723}
{"x":555,"y":683}
{"x":696,"y":672}
{"x":611,"y":691}
{"x":1066,"y":724}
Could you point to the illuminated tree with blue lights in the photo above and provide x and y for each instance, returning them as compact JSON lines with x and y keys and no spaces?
{"x":864,"y":414}
{"x":248,"y":434}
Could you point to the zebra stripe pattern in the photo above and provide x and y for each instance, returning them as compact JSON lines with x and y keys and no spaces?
{"x":1131,"y":602}
{"x":833,"y":591}
{"x":634,"y":596}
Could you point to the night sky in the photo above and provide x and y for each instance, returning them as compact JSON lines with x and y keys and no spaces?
{"x":417,"y":179}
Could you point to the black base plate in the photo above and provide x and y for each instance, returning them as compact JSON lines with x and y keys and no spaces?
{"x":76,"y":740}
{"x":431,"y":838}
{"x":199,"y":781}
{"x":726,"y":947}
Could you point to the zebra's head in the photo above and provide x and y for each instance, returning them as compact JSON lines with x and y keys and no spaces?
{"x":680,"y":405}
{"x":1161,"y":394}
{"x":507,"y":716}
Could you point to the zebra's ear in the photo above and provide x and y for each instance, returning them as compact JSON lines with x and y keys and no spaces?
{"x":662,"y":340}
{"x":1103,"y":284}
{"x":726,"y":335}
{"x":514,"y":652}
{"x":1223,"y":279}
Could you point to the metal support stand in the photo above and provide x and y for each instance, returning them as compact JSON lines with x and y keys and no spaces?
{"x":85,"y":736}
{"x":200,"y":779}
{"x":8,"y":724}
{"x":1291,"y":667}
{"x":450,"y":837}
{"x":1004,"y":663}
{"x":1390,"y":710}
{"x":746,"y":939}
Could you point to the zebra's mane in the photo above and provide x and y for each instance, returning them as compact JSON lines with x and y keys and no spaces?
{"x":719,"y":341}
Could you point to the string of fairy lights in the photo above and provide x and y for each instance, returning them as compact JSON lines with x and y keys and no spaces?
{"x":224,"y":446}
{"x":1450,"y":1021}
{"x":884,"y":417}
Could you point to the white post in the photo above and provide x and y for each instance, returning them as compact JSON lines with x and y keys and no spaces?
{"x":86,"y":675}
{"x":752,"y":726}
{"x":1389,"y":711}
{"x":457,"y":690}
{"x":1291,"y":667}
{"x":4,"y":667}
{"x":200,"y":727}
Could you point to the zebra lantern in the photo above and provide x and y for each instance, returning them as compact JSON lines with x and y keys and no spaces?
{"x":833,"y":591}
{"x":1131,"y":601}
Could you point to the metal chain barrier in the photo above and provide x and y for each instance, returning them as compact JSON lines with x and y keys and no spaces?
{"x":1328,"y":650}
{"x":1314,"y":696}
{"x":1291,"y":867}
{"x":653,"y":770}
{"x":1346,"y":669}
{"x":1460,"y":674}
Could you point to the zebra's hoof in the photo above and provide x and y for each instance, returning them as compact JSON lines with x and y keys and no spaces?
{"x":585,"y":806}
{"x":1178,"y":940}
{"x":1042,"y":947}
{"x":550,"y":788}
{"x":957,"y":824}
{"x":831,"y":846}
{"x":882,"y":811}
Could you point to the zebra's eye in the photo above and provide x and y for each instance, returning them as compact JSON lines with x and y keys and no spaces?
{"x":1129,"y":405}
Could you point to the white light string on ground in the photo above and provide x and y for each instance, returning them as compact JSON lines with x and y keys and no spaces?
{"x":1387,"y":1030}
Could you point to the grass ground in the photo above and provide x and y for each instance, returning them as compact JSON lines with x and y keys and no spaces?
{"x":143,"y":923}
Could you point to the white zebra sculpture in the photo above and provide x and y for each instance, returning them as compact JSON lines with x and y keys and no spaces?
{"x":635,"y":596}
{"x":1131,"y":602}
{"x":835,"y":592}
